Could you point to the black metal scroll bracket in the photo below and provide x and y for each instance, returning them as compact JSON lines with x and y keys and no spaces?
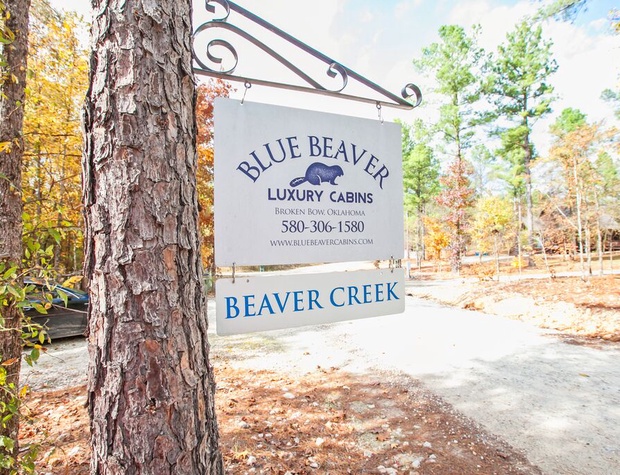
{"x":333,"y":67}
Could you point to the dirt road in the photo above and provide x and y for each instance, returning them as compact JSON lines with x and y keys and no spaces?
{"x":559,"y":403}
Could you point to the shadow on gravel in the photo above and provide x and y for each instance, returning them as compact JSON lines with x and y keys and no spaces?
{"x":561,"y":403}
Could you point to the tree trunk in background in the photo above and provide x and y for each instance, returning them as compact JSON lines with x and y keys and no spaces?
{"x":529,"y":203}
{"x":600,"y":246}
{"x":151,"y":387}
{"x":611,"y":252}
{"x":519,"y":227}
{"x":12,"y":82}
{"x":578,"y":200}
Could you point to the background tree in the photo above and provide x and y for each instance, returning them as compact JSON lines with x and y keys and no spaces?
{"x":492,"y":221}
{"x":57,"y":82}
{"x":563,"y":9}
{"x":151,"y":387}
{"x":614,"y":16}
{"x":613,"y":97}
{"x":420,"y":179}
{"x":206,"y":94}
{"x":486,"y":173}
{"x":436,"y":238}
{"x":573,"y":149}
{"x":609,"y":192}
{"x":41,"y":13}
{"x":519,"y":89}
{"x":568,"y":10}
{"x":609,"y":174}
{"x":454,"y":62}
{"x":13,"y":54}
{"x":457,"y":196}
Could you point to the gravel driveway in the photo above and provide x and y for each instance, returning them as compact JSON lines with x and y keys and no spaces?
{"x":558,"y":403}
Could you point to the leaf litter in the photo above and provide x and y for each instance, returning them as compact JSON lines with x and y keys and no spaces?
{"x":325,"y":422}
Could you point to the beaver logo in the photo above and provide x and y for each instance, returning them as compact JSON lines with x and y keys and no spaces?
{"x":318,"y":173}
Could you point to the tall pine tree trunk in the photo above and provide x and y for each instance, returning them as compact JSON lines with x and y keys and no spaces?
{"x":529,"y":204}
{"x":151,"y":387}
{"x":600,"y":247}
{"x":12,"y":81}
{"x":578,"y":203}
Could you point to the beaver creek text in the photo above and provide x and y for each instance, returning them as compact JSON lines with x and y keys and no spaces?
{"x":280,"y":150}
{"x":257,"y":305}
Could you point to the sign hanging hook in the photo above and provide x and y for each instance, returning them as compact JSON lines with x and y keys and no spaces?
{"x":379,"y":112}
{"x":247,"y":86}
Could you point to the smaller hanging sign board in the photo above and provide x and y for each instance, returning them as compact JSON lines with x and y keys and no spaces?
{"x":285,"y":301}
{"x":296,"y":186}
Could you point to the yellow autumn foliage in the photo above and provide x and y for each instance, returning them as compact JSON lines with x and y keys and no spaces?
{"x":56,"y":85}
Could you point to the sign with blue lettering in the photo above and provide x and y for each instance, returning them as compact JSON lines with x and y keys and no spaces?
{"x":287,"y":301}
{"x":296,"y":186}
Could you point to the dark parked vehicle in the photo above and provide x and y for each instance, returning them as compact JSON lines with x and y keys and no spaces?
{"x":60,"y":321}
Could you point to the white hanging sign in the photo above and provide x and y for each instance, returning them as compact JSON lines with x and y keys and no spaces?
{"x":264,"y":303}
{"x":296,"y":186}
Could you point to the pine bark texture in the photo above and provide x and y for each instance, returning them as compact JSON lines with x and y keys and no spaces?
{"x":151,"y":387}
{"x":12,"y":82}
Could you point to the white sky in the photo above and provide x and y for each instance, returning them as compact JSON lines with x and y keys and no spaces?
{"x":379,"y":38}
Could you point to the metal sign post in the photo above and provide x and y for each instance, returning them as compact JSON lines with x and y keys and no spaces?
{"x":210,"y":63}
{"x":296,"y":186}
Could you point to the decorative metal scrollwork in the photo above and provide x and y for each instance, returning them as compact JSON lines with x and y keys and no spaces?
{"x":211,"y":61}
{"x":211,"y":8}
